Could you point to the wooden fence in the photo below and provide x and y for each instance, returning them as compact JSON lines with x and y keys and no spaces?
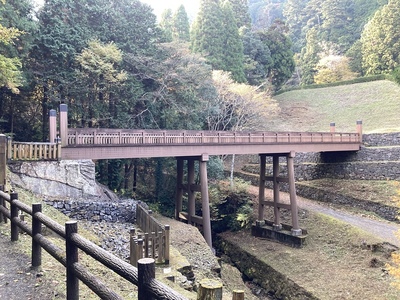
{"x":33,"y":151}
{"x":143,"y":276}
{"x":155,"y":240}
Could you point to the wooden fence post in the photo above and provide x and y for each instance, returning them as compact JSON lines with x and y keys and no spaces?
{"x":14,"y":214}
{"x":2,"y":204}
{"x":238,"y":295}
{"x":71,"y":227}
{"x":36,"y":230}
{"x":167,"y":241}
{"x":3,"y":159}
{"x":146,"y":272}
{"x":209,"y":289}
{"x":132,"y":259}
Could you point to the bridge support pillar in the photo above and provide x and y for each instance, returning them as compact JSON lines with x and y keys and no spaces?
{"x":276,"y":204}
{"x":292,"y":191}
{"x":190,"y":188}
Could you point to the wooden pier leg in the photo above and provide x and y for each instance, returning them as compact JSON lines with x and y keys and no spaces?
{"x":261,"y":193}
{"x":191,"y":193}
{"x":275,"y":173}
{"x":179,"y":189}
{"x":292,"y":190}
{"x":205,"y":203}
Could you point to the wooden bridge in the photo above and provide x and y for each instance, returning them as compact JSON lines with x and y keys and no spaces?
{"x":190,"y":146}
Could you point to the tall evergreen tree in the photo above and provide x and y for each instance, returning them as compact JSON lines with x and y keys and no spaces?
{"x":181,"y":28}
{"x":257,"y":58}
{"x":241,"y":13}
{"x":166,"y":25}
{"x":280,"y":46}
{"x":207,"y":33}
{"x":381,"y":40}
{"x":233,"y":59}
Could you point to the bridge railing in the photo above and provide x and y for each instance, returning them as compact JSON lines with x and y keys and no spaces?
{"x":85,"y":136}
{"x":33,"y":151}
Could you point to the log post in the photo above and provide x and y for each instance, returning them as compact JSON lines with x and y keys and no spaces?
{"x":14,"y":215}
{"x":71,"y":227}
{"x":146,"y":272}
{"x":209,"y":289}
{"x":132,"y":254}
{"x":36,"y":230}
{"x":238,"y":295}
{"x":2,"y":204}
{"x":205,"y":203}
{"x":167,"y":241}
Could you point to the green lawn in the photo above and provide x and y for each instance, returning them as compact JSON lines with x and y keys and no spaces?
{"x":376,"y":103}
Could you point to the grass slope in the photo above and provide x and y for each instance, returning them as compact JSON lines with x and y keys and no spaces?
{"x":376,"y":103}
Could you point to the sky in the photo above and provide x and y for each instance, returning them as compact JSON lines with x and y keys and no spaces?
{"x":191,"y":6}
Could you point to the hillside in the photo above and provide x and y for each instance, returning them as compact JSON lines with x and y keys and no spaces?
{"x":376,"y":103}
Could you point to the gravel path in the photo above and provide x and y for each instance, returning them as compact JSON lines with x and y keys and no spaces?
{"x":383,"y":229}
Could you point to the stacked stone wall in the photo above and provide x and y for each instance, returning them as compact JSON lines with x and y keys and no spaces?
{"x":121,"y":211}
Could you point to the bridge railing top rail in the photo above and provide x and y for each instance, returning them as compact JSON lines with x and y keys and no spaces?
{"x":100,"y":136}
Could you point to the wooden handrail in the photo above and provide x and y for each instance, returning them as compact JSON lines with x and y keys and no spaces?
{"x":100,"y":136}
{"x":68,"y":257}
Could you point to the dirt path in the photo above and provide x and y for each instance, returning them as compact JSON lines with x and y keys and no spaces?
{"x":17,"y":280}
{"x":383,"y":229}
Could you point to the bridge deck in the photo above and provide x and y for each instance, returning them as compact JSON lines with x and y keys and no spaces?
{"x":112,"y":144}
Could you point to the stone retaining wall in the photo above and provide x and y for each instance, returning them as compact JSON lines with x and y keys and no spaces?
{"x":122,"y":211}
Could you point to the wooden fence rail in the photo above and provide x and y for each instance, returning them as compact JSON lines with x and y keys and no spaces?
{"x":155,"y":240}
{"x":148,"y":287}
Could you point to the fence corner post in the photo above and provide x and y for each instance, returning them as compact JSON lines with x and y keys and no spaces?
{"x":71,"y":227}
{"x":36,"y":230}
{"x":14,"y":215}
{"x":146,"y":272}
